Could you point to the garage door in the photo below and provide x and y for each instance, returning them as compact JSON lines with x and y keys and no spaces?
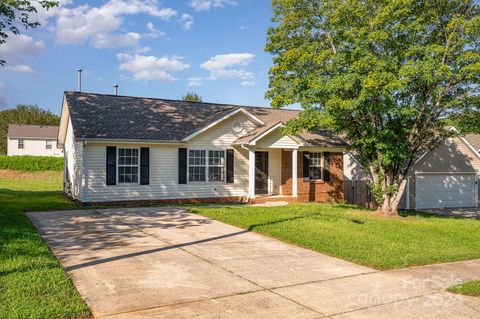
{"x":445,"y":191}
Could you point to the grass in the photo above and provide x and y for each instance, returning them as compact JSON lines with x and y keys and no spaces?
{"x":360,"y":236}
{"x":470,"y":288}
{"x":32,"y":282}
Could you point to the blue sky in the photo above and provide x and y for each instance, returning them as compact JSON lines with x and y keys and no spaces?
{"x":150,"y":48}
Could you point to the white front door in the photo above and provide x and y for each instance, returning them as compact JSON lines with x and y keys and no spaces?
{"x":445,"y":190}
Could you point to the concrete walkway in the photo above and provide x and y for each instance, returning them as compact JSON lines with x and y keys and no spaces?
{"x":167,"y":263}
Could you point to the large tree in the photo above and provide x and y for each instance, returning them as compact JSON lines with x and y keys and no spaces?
{"x":23,"y":114}
{"x":381,"y":73}
{"x":15,"y":14}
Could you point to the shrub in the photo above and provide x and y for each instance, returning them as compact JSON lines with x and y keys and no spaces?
{"x":31,"y":163}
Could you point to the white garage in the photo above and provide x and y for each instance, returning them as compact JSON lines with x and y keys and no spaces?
{"x":445,"y":190}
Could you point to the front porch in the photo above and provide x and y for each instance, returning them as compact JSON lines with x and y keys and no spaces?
{"x":267,"y":180}
{"x":291,"y":169}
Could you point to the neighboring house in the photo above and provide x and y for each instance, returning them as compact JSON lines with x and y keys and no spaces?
{"x":120,"y":148}
{"x":34,"y":140}
{"x":446,"y":177}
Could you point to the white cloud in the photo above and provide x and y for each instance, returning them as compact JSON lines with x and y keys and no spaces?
{"x":229,"y":66}
{"x":153,"y":32}
{"x":248,"y":83}
{"x":205,"y":5}
{"x":20,"y":68}
{"x":17,"y":47}
{"x":195,"y":81}
{"x":97,"y":25}
{"x":187,"y":21}
{"x":115,"y":40}
{"x":150,"y":67}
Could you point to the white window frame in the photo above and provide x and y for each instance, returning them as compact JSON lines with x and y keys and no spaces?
{"x":207,"y":150}
{"x":123,"y":165}
{"x":224,"y":166}
{"x":48,"y":143}
{"x":23,"y":144}
{"x":188,"y":164}
{"x":322,"y":165}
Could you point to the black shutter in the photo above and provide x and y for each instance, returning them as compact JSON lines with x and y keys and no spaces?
{"x":111,"y":165}
{"x":144,"y":166}
{"x":306,"y":165}
{"x":230,"y":165}
{"x":326,"y":166}
{"x":182,"y":165}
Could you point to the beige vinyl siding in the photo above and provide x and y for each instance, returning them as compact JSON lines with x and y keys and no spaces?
{"x":164,"y":169}
{"x":454,"y":158}
{"x":276,"y":139}
{"x":73,"y":160}
{"x":352,"y":170}
{"x":33,"y":147}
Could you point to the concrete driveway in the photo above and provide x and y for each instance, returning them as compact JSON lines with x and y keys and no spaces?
{"x":473,"y":213}
{"x":167,"y":263}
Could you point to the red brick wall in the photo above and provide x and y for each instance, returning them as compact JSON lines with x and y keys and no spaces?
{"x":313,"y":191}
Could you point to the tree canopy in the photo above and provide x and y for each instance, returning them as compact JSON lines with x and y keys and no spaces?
{"x":192,"y":97}
{"x":23,"y":114}
{"x":15,"y":14}
{"x":384,"y":74}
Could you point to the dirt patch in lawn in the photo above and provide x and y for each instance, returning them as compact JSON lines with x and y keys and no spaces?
{"x":11,"y":174}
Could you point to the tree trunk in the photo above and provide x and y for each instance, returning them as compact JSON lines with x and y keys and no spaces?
{"x":390,"y":202}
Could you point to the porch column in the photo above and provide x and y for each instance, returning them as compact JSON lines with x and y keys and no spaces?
{"x":294,"y":172}
{"x":251,"y":174}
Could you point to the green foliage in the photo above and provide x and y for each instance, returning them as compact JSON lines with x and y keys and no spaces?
{"x":15,"y":14}
{"x":382,"y":73}
{"x":467,"y":122}
{"x":469,"y":288}
{"x":358,"y":235}
{"x":31,"y":163}
{"x":192,"y":97}
{"x":23,"y":114}
{"x":33,"y":284}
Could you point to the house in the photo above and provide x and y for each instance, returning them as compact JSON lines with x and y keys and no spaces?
{"x":34,"y":140}
{"x":123,"y":148}
{"x":446,"y":177}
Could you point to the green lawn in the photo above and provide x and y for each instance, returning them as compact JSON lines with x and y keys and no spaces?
{"x":470,"y":288}
{"x":360,"y":236}
{"x":32,"y":282}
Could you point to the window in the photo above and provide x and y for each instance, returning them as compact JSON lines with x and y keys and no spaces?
{"x":196,"y":165}
{"x":203,"y":162}
{"x":21,"y":144}
{"x":315,"y":166}
{"x":48,"y":145}
{"x":127,"y":165}
{"x":216,"y":166}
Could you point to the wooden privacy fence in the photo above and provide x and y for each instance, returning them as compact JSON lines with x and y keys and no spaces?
{"x":358,"y":193}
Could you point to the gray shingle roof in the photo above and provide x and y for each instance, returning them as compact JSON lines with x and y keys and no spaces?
{"x":103,"y":116}
{"x":32,"y":131}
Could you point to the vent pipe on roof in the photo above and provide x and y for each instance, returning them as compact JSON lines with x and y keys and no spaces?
{"x":115,"y":89}
{"x":79,"y":80}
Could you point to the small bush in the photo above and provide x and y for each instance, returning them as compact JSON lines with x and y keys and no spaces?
{"x":31,"y":163}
